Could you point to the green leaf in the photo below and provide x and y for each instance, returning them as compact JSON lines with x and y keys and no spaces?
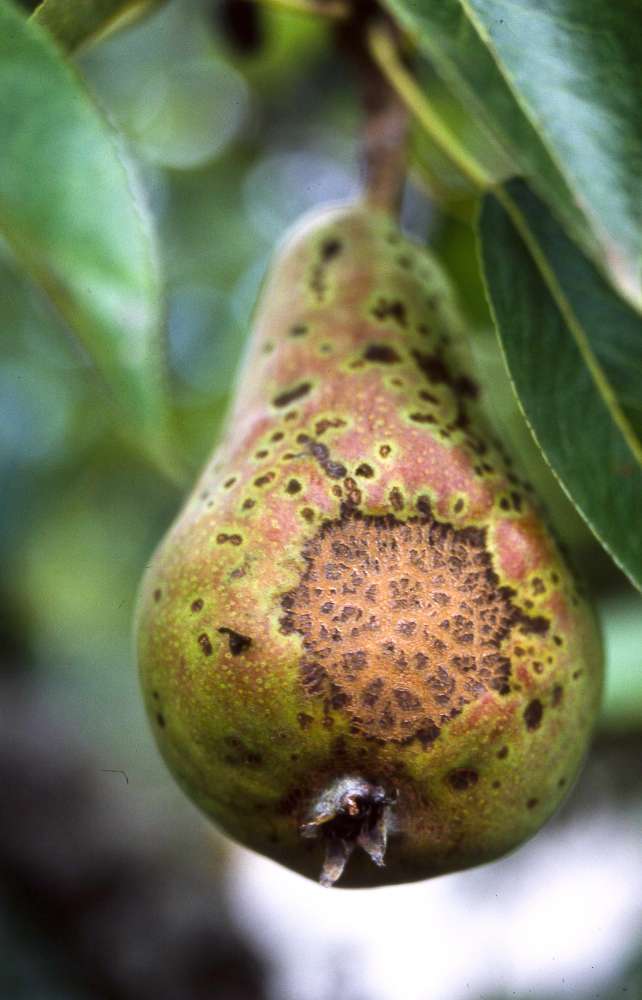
{"x":621,"y":619}
{"x":75,"y":22}
{"x":70,"y":216}
{"x":574,"y":353}
{"x":557,"y":85}
{"x":445,"y":182}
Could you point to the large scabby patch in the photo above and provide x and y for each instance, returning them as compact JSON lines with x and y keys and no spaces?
{"x":402,"y":622}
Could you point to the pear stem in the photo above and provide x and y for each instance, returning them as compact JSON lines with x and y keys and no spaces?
{"x":383,"y":140}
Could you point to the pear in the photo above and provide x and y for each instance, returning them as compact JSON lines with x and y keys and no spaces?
{"x":359,"y":640}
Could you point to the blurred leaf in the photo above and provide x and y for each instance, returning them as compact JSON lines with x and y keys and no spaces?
{"x":69,"y":214}
{"x":73,"y":22}
{"x":621,"y":617}
{"x":557,"y":85}
{"x":167,"y":89}
{"x":438,"y":171}
{"x":573,"y":349}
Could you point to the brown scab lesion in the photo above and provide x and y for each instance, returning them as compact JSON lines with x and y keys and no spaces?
{"x":396,"y":498}
{"x":237,"y":642}
{"x":321,"y":452}
{"x":223,"y":539}
{"x":290,"y":395}
{"x":197,"y":605}
{"x":381,"y":354}
{"x":393,"y":309}
{"x":326,"y":423}
{"x":364,"y":470}
{"x":205,"y":644}
{"x":263,"y":480}
{"x":462,"y":778}
{"x":330,"y":248}
{"x":417,"y":601}
{"x":533,"y":714}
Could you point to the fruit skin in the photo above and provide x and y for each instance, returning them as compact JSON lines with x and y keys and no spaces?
{"x":359,"y":583}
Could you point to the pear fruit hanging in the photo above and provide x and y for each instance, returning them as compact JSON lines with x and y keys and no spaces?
{"x":362,"y":652}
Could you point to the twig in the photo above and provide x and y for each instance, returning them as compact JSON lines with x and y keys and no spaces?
{"x":384,"y":150}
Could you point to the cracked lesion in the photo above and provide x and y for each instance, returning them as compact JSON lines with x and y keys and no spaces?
{"x":403,"y":622}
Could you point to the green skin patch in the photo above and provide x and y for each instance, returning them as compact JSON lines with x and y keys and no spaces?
{"x":359,"y":604}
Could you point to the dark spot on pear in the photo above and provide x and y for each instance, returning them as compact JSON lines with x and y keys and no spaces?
{"x":462,"y":778}
{"x":533,"y":714}
{"x":238,"y":643}
{"x":205,"y":644}
{"x":382,"y":354}
{"x":386,"y":309}
{"x":331,"y":248}
{"x":289,"y":395}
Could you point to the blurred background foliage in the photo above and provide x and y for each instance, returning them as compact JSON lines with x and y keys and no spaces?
{"x":230,"y":147}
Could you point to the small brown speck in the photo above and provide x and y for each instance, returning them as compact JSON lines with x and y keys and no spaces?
{"x":205,"y":644}
{"x":197,"y":605}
